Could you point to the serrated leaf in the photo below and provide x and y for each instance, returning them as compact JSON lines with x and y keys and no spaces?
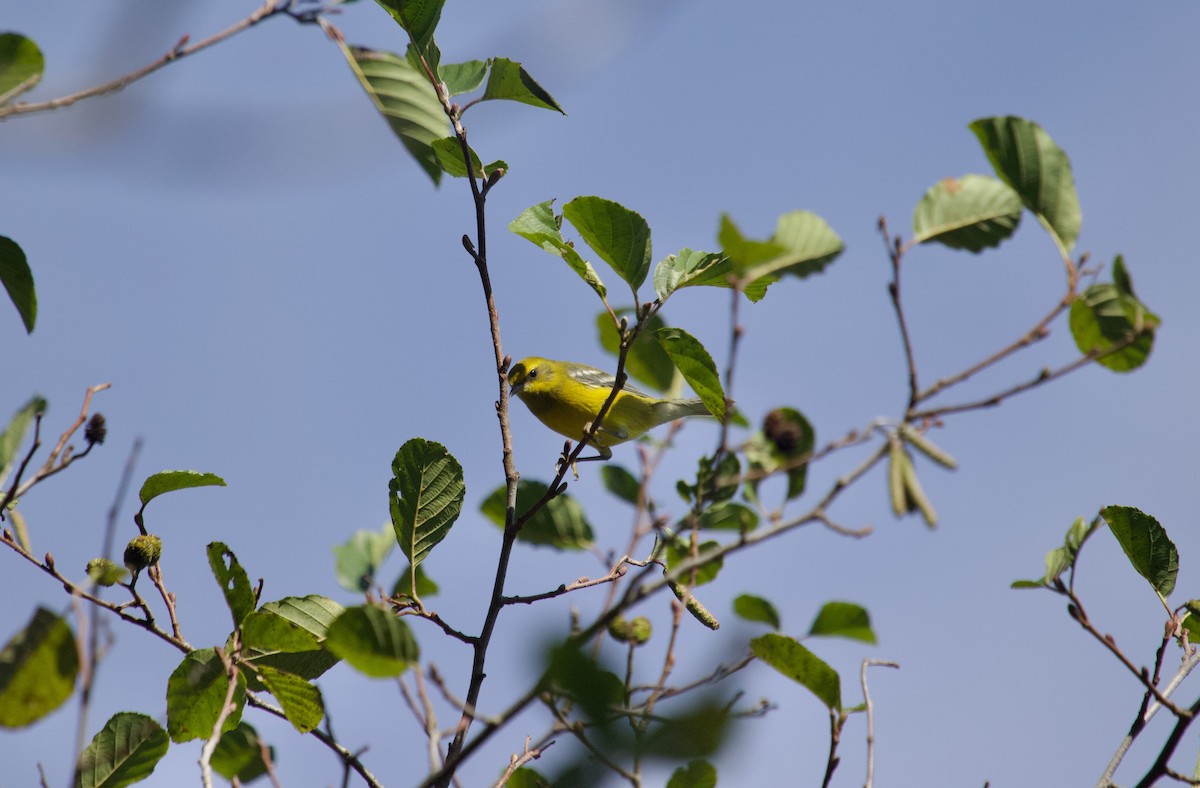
{"x":511,"y":82}
{"x":1146,"y":544}
{"x":758,"y":609}
{"x":419,"y":18}
{"x":449,"y":154}
{"x":288,"y":635}
{"x":14,"y":434}
{"x":538,"y":225}
{"x":621,"y":483}
{"x":301,"y":702}
{"x":21,"y":65}
{"x":803,"y":244}
{"x":973,"y":212}
{"x":169,"y":481}
{"x":358,"y":559}
{"x":647,"y":362}
{"x":18,"y":281}
{"x":196,"y":692}
{"x":697,"y":774}
{"x":696,"y":365}
{"x":1104,"y":317}
{"x":232,"y":579}
{"x":802,"y":666}
{"x":1029,"y":161}
{"x":463,"y":77}
{"x":561,"y":523}
{"x":843,"y":619}
{"x":38,"y":667}
{"x":620,"y":236}
{"x":375,"y":642}
{"x":689,"y":268}
{"x":124,"y":752}
{"x":406,"y":100}
{"x":426,"y":493}
{"x":239,"y":754}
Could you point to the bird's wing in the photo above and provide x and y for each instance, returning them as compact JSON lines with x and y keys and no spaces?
{"x":590,"y":376}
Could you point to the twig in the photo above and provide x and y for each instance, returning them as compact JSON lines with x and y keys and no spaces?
{"x":895,"y":252}
{"x":835,"y":737}
{"x":181,"y":50}
{"x":231,"y":670}
{"x":517,"y":761}
{"x":870,"y":709}
{"x":168,"y":598}
{"x":348,"y":758}
{"x":616,"y":573}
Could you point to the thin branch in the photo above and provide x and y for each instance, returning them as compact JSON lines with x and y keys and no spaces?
{"x":348,"y":758}
{"x":616,"y":573}
{"x":517,"y":761}
{"x":870,"y":709}
{"x":181,"y":50}
{"x":1043,"y":377}
{"x":228,"y":707}
{"x":895,"y":252}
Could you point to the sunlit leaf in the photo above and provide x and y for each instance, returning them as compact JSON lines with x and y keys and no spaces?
{"x":426,"y":493}
{"x":1146,"y":544}
{"x":973,"y":212}
{"x":756,"y":608}
{"x":124,"y":752}
{"x":510,"y":81}
{"x":620,"y":236}
{"x":561,"y":523}
{"x":374,"y":641}
{"x":233,"y":580}
{"x":169,"y":481}
{"x":196,"y":694}
{"x":38,"y":668}
{"x":796,"y":662}
{"x":540,"y":226}
{"x":696,"y":365}
{"x":843,"y":619}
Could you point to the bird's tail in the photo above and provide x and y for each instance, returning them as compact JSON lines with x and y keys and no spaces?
{"x":678,"y":409}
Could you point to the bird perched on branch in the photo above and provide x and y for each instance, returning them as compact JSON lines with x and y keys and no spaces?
{"x":566,"y":397}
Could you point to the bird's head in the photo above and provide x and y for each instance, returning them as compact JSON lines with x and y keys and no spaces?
{"x":529,"y":374}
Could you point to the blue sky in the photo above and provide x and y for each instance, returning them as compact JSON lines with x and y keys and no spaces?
{"x":279,"y":296}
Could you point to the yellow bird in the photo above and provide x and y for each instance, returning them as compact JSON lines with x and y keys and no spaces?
{"x":566,"y":397}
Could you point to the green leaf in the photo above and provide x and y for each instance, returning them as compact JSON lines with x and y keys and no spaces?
{"x":539,"y":225}
{"x":728,"y":516}
{"x":449,"y":154}
{"x":843,"y":619}
{"x":699,"y":731}
{"x":195,"y":694}
{"x":1146,"y":544}
{"x":463,"y":77}
{"x":679,"y":550}
{"x":571,"y":672}
{"x":716,"y":481}
{"x":357,"y":561}
{"x":1121,"y":278}
{"x":647,"y":362}
{"x":1104,"y":317}
{"x":755,"y":608}
{"x":375,"y":642}
{"x":1060,"y":559}
{"x":404,"y":584}
{"x":696,"y":365}
{"x":620,"y":236}
{"x":697,"y":774}
{"x":419,"y":18}
{"x":560,"y":523}
{"x":232,"y":579}
{"x":621,"y":483}
{"x":802,"y":666}
{"x":169,"y":481}
{"x":426,"y":493}
{"x":239,"y":754}
{"x":406,"y":100}
{"x":38,"y":667}
{"x":289,"y":635}
{"x":18,"y":280}
{"x":14,"y":433}
{"x":803,"y":244}
{"x":1025,"y":158}
{"x":689,"y":268}
{"x":524,"y":777}
{"x":21,"y":65}
{"x":973,"y":212}
{"x":301,"y":701}
{"x":510,"y":81}
{"x":124,"y":752}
